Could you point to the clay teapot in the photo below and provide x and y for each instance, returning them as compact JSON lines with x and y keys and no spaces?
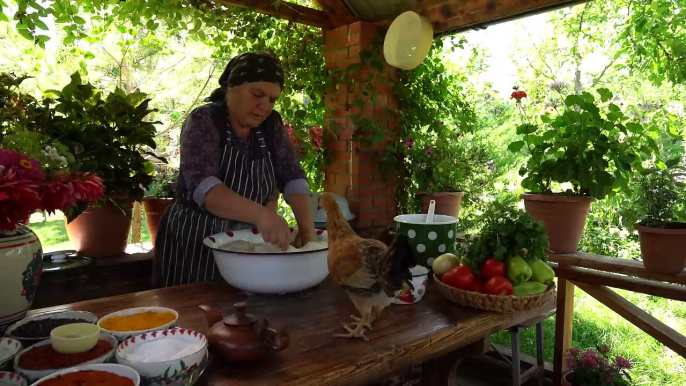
{"x":240,"y":337}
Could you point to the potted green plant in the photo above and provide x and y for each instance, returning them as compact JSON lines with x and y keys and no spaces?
{"x":159,"y":196}
{"x":444,"y":168}
{"x":593,"y":150}
{"x":661,"y":202}
{"x":107,"y":134}
{"x":596,"y":368}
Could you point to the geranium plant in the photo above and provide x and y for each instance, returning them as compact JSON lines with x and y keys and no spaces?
{"x":24,"y":189}
{"x":445,"y":164}
{"x":590,"y":144}
{"x":597,"y":368}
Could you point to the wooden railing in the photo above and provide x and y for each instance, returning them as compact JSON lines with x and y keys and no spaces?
{"x":594,"y":274}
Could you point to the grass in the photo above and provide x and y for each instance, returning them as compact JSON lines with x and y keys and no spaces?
{"x":594,"y":323}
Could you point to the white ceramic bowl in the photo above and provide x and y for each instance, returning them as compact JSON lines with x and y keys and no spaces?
{"x":124,"y":335}
{"x":420,"y":276}
{"x":181,"y":371}
{"x":86,"y":317}
{"x":33,"y":375}
{"x":12,"y":379}
{"x":120,"y":370}
{"x":268,"y":273}
{"x":9,"y":348}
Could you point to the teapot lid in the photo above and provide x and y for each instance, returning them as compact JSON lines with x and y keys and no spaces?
{"x":240,"y":318}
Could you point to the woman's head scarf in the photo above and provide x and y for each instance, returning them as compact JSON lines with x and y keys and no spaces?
{"x":250,"y":67}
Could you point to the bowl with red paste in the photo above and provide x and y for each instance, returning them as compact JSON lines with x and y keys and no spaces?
{"x":109,"y":374}
{"x":41,"y":359}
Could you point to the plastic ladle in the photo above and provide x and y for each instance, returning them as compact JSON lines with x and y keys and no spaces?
{"x":432,"y":209}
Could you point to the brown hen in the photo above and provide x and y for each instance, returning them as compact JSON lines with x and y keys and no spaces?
{"x":369,"y":272}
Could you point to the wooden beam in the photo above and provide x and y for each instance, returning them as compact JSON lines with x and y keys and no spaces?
{"x":563,"y":327}
{"x":613,"y":264}
{"x":583,"y":275}
{"x":653,"y":327}
{"x":334,"y":7}
{"x":292,"y":12}
{"x":450,"y":16}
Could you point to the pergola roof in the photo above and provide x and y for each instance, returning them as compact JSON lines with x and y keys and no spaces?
{"x":447,"y":16}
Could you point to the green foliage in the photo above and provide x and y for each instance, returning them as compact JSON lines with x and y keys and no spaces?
{"x":164,"y":182}
{"x":595,"y":151}
{"x":107,"y":134}
{"x":662,"y":198}
{"x":507,"y":232}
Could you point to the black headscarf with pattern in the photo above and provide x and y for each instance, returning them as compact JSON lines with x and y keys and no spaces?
{"x":250,"y":67}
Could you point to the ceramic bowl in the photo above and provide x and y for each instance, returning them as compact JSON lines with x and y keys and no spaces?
{"x":268,"y":273}
{"x":120,"y":370}
{"x":181,"y":371}
{"x":124,"y":335}
{"x":420,"y":276}
{"x":9,"y":348}
{"x":74,"y":338}
{"x":33,"y":375}
{"x":428,"y":240}
{"x":320,"y":215}
{"x":86,"y":317}
{"x":12,"y":379}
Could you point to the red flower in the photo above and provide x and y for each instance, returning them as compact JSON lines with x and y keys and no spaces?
{"x":23,"y":166}
{"x":65,"y":190}
{"x":518,"y":95}
{"x":291,"y":134}
{"x":19,"y":198}
{"x":317,"y":136}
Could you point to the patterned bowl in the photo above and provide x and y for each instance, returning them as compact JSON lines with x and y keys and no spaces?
{"x":33,"y":375}
{"x":9,"y":348}
{"x":180,"y":371}
{"x":124,"y":335}
{"x":81,"y":316}
{"x":12,"y":379}
{"x":266,"y":273}
{"x":428,"y":240}
{"x":420,"y":276}
{"x":120,"y":370}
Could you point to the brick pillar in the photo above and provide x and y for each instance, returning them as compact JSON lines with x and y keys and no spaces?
{"x":354,"y":168}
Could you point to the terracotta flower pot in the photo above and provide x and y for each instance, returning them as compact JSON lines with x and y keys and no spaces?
{"x":564,"y":218}
{"x":447,"y":203}
{"x":663,"y":250}
{"x":100,"y":232}
{"x":154,"y":209}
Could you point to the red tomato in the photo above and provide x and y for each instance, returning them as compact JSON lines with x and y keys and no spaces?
{"x":498,"y":286}
{"x":492,"y":268}
{"x":460,"y":277}
{"x":477,"y":286}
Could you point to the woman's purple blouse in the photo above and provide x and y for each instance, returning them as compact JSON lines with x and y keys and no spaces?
{"x":201,"y":157}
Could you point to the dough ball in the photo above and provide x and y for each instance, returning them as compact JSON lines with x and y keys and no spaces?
{"x":239,"y":246}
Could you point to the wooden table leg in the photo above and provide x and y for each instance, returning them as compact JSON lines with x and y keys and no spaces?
{"x":563,"y":327}
{"x":441,"y":371}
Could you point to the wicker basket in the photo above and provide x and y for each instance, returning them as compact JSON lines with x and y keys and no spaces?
{"x":497,"y":303}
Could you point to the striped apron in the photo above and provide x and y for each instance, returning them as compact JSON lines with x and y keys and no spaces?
{"x":180,"y":255}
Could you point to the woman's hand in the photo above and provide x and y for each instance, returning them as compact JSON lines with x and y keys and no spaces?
{"x":304,"y":236}
{"x":273,"y":228}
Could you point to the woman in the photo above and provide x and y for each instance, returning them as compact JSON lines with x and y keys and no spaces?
{"x":236,"y":158}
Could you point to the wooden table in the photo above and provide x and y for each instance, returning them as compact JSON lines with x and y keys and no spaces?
{"x":433,"y":331}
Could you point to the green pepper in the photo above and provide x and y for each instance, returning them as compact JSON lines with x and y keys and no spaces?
{"x":518,"y":271}
{"x":529,"y":288}
{"x":542,"y":273}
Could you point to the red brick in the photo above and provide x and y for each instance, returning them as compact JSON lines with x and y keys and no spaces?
{"x":338,"y":146}
{"x":382,"y":202}
{"x":363,"y":223}
{"x":365,"y":168}
{"x":365,"y":191}
{"x":365,"y":203}
{"x":343,"y":179}
{"x":336,"y":168}
{"x":372,"y":214}
{"x":383,"y":221}
{"x":334,"y":56}
{"x":363,"y":180}
{"x":354,"y":52}
{"x":343,"y":64}
{"x":336,"y":34}
{"x":340,"y":156}
{"x":366,"y":28}
{"x":338,"y":189}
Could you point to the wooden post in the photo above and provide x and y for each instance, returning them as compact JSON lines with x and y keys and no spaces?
{"x":563,"y":327}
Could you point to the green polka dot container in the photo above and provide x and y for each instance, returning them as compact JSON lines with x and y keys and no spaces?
{"x":428,"y":240}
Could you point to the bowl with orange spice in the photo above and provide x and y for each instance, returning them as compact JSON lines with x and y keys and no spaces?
{"x":135,"y":321}
{"x":109,"y":374}
{"x":41,"y":359}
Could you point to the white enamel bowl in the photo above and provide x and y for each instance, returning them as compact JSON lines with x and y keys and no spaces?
{"x":176,"y":372}
{"x":9,"y":348}
{"x":420,"y":276}
{"x":120,"y":370}
{"x":33,"y":375}
{"x":81,"y":316}
{"x":11,"y":379}
{"x":124,"y":335}
{"x":264,"y":273}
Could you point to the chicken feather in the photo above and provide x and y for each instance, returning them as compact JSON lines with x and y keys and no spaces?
{"x":369,"y":272}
